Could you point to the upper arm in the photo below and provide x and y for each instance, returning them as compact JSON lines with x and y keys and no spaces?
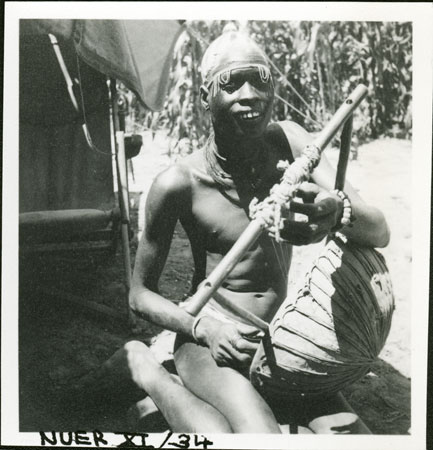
{"x":297,"y":136}
{"x":166,"y":201}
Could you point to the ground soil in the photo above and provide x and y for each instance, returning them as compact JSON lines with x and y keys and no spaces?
{"x":60,"y":341}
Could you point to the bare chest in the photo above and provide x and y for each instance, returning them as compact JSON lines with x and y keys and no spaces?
{"x":219,"y":217}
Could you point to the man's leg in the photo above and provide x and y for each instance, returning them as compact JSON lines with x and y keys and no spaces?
{"x":333,"y":415}
{"x":224,"y":388}
{"x":135,"y":365}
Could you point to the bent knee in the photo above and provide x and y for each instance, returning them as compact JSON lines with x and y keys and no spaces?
{"x":133,"y":347}
{"x":138,"y":356}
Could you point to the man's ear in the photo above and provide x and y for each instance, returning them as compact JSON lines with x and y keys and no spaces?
{"x":204,"y":97}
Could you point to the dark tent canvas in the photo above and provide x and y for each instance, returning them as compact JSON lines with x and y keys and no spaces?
{"x":65,"y":185}
{"x":57,"y":168}
{"x":137,"y":52}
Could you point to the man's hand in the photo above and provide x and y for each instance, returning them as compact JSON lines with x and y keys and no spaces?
{"x":229,"y":344}
{"x":323,"y":210}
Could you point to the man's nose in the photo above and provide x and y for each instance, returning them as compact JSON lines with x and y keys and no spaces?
{"x":247,"y":92}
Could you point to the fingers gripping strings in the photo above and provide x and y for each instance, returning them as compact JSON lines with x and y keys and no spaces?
{"x":269,"y":211}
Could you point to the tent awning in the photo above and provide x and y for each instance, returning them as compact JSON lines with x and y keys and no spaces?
{"x":136,"y":52}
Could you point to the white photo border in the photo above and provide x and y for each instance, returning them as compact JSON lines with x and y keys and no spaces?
{"x":421,"y":16}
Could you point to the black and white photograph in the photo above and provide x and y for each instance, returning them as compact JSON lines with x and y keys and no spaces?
{"x":216,"y":224}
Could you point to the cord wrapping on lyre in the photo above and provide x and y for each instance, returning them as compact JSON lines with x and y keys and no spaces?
{"x":269,"y":211}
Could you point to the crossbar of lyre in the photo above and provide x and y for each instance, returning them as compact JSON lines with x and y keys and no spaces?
{"x":255,"y":227}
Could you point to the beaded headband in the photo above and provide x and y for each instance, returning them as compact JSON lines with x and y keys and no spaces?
{"x":221,"y":76}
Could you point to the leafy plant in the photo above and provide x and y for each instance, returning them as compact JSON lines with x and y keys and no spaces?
{"x":315,"y":66}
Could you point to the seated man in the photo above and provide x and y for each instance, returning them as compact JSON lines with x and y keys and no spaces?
{"x":209,"y":193}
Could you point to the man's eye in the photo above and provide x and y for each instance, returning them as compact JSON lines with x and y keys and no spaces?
{"x":258,"y":83}
{"x":229,"y":88}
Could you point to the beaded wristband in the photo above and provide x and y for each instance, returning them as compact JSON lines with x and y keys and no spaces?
{"x":347,"y":217}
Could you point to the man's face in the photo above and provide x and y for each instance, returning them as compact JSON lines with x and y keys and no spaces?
{"x":242,"y":107}
{"x":240,"y":96}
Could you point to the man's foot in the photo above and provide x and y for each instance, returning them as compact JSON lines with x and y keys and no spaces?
{"x":141,"y":365}
{"x":121,"y":378}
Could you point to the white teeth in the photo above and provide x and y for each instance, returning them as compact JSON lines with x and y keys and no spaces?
{"x":250,"y":115}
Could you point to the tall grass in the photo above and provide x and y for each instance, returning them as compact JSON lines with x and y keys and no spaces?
{"x":315,"y":65}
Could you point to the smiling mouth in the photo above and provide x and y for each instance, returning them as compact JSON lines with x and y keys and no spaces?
{"x":249,"y":115}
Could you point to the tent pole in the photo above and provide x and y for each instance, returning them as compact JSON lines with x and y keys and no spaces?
{"x":122,"y":187}
{"x":64,"y":69}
